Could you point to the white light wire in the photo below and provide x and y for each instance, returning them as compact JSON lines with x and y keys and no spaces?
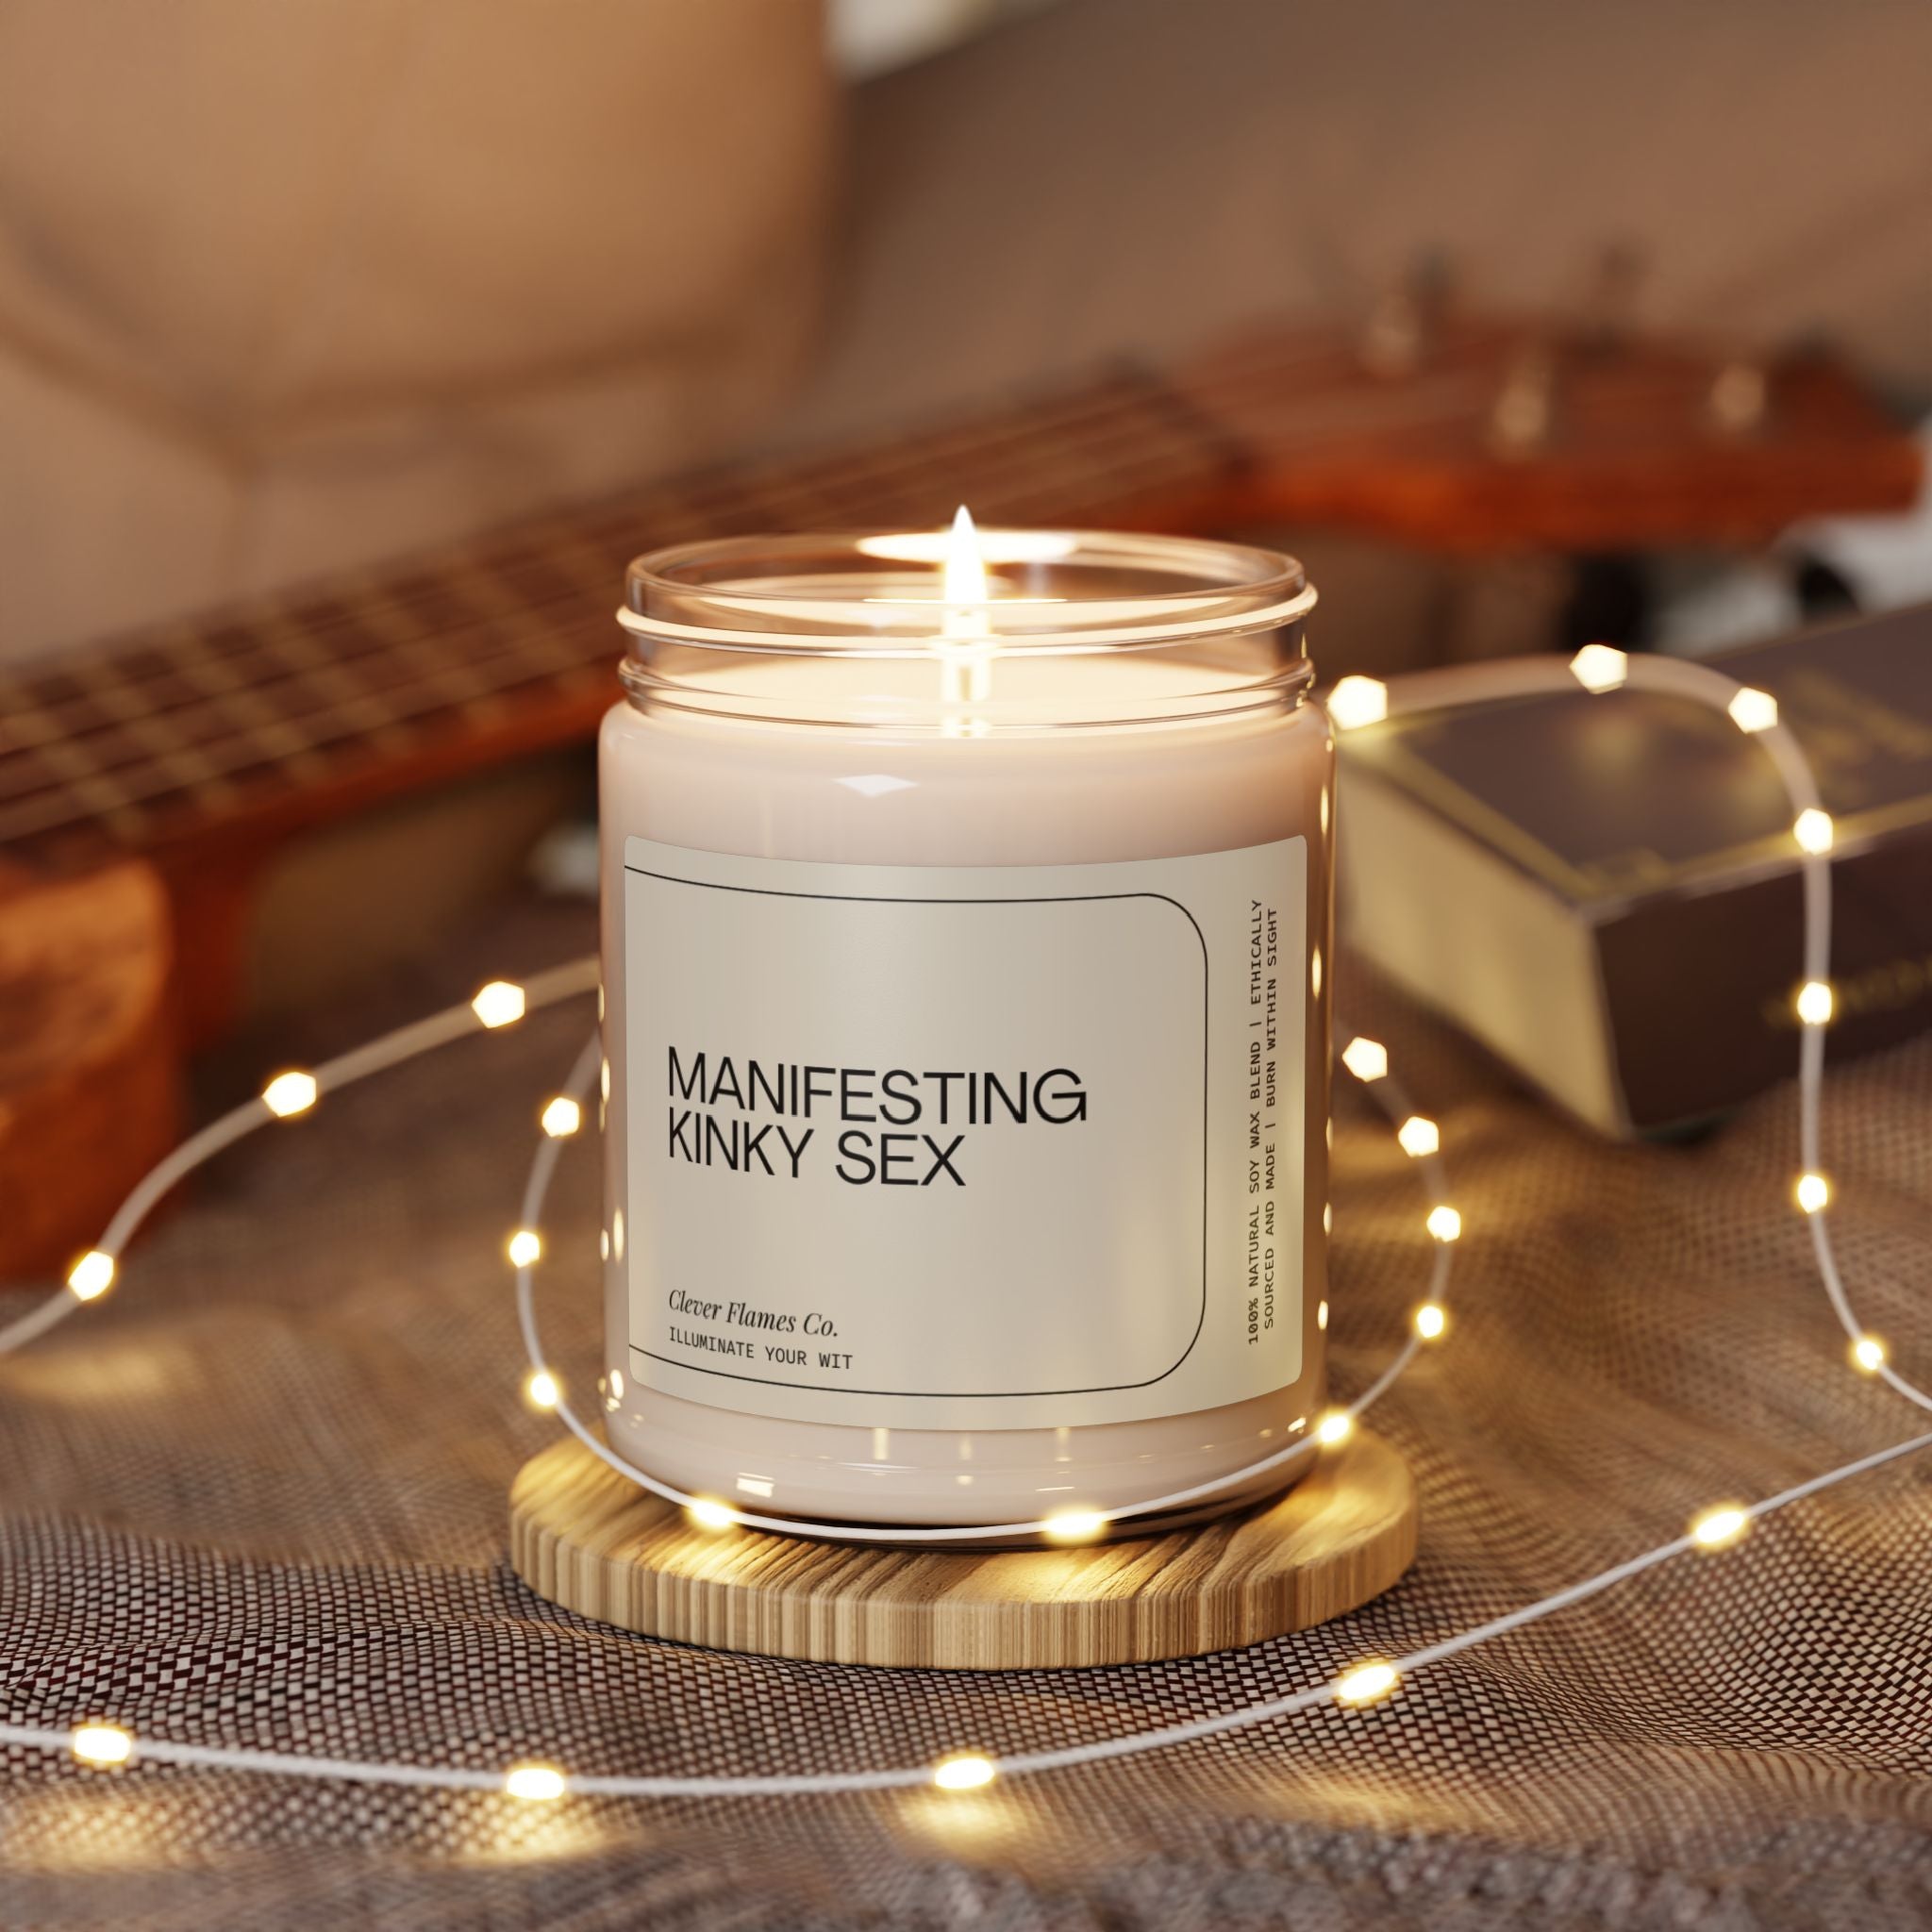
{"x":1505,"y":680}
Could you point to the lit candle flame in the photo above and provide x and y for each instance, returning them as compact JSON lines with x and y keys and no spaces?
{"x":965,"y":650}
{"x":965,"y":567}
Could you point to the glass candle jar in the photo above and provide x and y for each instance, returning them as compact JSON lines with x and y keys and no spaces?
{"x":966,"y":911}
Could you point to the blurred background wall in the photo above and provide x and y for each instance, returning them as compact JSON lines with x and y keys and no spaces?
{"x":289,"y":289}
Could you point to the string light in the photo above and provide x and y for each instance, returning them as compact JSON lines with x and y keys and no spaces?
{"x":1717,"y":1528}
{"x":91,"y":1275}
{"x":1812,"y":1192}
{"x":708,"y":1514}
{"x":561,"y":1118}
{"x":1753,"y":710}
{"x":94,"y":1270}
{"x":1358,"y":701}
{"x":1431,"y":1321}
{"x":499,"y":1004}
{"x":525,"y":1248}
{"x":1417,"y":1137}
{"x":289,"y":1093}
{"x":1075,"y":1525}
{"x":1444,"y":1222}
{"x":535,"y":1784}
{"x":1368,"y":1684}
{"x":1813,"y":830}
{"x":542,"y":1390}
{"x":102,"y":1744}
{"x":1600,"y":667}
{"x":1367,"y":1059}
{"x":1321,"y":1316}
{"x":1815,"y":1003}
{"x":1867,"y":1354}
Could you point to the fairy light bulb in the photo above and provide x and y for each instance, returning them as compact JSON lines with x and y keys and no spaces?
{"x":1075,"y":1525}
{"x":1753,"y":710}
{"x":1417,"y":1137}
{"x":1815,"y":1003}
{"x":1338,"y":1426}
{"x":1600,"y":667}
{"x":1444,"y":1222}
{"x":1358,"y":701}
{"x":535,"y":1784}
{"x":1812,"y":1192}
{"x":1367,"y":1059}
{"x":1814,"y":831}
{"x":102,"y":1744}
{"x":966,"y":1770}
{"x":1716,"y":1528}
{"x":542,"y":1390}
{"x":91,"y":1275}
{"x":499,"y":1004}
{"x":1367,"y":1684}
{"x":291,"y":1094}
{"x":1321,"y":1316}
{"x":710,"y":1515}
{"x":561,"y":1118}
{"x":1431,"y":1321}
{"x":525,"y":1248}
{"x":1867,"y":1354}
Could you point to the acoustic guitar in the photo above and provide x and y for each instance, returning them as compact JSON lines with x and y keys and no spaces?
{"x":145,"y":781}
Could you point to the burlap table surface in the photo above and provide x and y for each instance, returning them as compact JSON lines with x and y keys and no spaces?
{"x":257,"y":1497}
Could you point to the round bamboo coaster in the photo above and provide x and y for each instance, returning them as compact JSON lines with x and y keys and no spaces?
{"x":583,"y":1536}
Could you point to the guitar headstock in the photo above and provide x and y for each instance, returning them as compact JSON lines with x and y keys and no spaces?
{"x":1470,"y":433}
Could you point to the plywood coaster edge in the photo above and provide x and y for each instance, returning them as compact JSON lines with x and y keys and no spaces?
{"x":588,"y":1540}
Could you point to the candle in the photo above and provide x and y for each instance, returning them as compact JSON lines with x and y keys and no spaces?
{"x":966,"y":909}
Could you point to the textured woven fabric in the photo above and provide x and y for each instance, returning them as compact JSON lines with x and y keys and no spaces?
{"x":257,"y":1497}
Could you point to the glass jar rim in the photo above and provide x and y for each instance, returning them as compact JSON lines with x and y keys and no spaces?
{"x":854,"y":595}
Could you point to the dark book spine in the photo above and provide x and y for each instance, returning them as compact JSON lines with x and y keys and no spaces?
{"x":1698,"y":987}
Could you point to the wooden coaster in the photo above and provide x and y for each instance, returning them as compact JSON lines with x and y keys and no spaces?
{"x":585,"y":1537}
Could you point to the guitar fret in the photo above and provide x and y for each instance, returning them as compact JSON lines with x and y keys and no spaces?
{"x":316,"y":670}
{"x":156,"y":730}
{"x":524,"y":636}
{"x":434,"y":653}
{"x":240,"y":703}
{"x":76,"y":773}
{"x":242,"y":750}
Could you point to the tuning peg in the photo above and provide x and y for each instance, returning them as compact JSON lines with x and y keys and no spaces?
{"x":1406,"y":323}
{"x":1612,"y":294}
{"x":1524,"y":408}
{"x":1740,"y":394}
{"x":1391,"y":344}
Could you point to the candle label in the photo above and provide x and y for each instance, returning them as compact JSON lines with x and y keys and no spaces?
{"x":965,"y":1147}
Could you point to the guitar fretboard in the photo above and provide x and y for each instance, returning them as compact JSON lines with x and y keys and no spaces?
{"x":507,"y":642}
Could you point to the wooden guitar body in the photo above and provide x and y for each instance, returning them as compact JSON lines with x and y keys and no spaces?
{"x":88,"y":1055}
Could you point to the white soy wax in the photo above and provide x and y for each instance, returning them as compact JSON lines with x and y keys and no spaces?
{"x":966,"y":1023}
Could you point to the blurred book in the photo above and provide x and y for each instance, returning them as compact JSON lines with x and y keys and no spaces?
{"x":1604,"y":891}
